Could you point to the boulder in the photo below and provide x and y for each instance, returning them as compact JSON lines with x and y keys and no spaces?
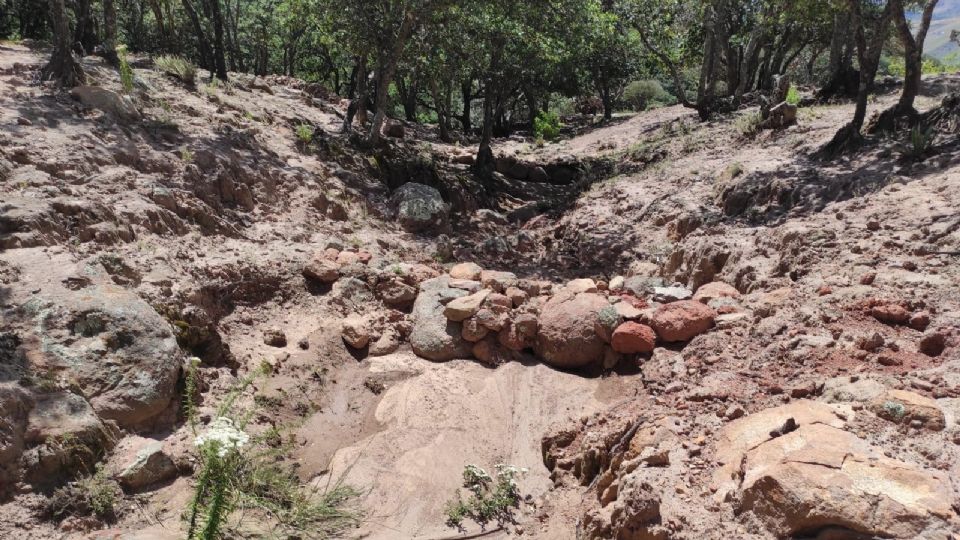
{"x":905,"y":407}
{"x":460,"y":309}
{"x":395,"y":293}
{"x":890,"y":314}
{"x":671,"y":294}
{"x":150,"y":465}
{"x":682,"y":321}
{"x":356,"y":331}
{"x":419,"y":208}
{"x":473,"y":331}
{"x":632,"y":338}
{"x":567,"y":338}
{"x":435,"y":337}
{"x":581,"y":285}
{"x":498,"y":281}
{"x":274,"y":337}
{"x":121,"y":354}
{"x":467,"y":271}
{"x":322,"y":269}
{"x":115,"y":105}
{"x":714,"y":290}
{"x":819,"y":476}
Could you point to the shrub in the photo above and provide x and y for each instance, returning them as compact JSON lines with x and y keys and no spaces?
{"x":304,"y":133}
{"x":95,"y":495}
{"x":177,"y":67}
{"x":490,"y":501}
{"x":126,"y":72}
{"x":546,"y":125}
{"x":748,"y":124}
{"x":641,"y":94}
{"x":793,"y":96}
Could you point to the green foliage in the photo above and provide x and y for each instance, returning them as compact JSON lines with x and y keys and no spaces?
{"x":639,"y":95}
{"x":177,"y":67}
{"x":793,"y":96}
{"x":491,"y":500}
{"x":546,"y":125}
{"x":304,"y":133}
{"x":126,"y":72}
{"x":186,"y":155}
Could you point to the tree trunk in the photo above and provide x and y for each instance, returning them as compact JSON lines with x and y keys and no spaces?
{"x":84,"y":34}
{"x":386,"y":69}
{"x":466,"y":91}
{"x":868,"y":55}
{"x":219,"y":56}
{"x":484,"y":165}
{"x":913,"y":50}
{"x":110,"y":33}
{"x":63,"y":67}
{"x":203,"y":44}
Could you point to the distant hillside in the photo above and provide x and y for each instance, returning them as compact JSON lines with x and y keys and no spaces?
{"x":946,"y":17}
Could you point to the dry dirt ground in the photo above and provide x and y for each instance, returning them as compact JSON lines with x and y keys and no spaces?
{"x":207,"y":208}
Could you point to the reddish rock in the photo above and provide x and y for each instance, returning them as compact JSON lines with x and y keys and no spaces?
{"x":632,"y":338}
{"x":682,"y":321}
{"x":920,"y":321}
{"x":364,"y":256}
{"x":714,"y":290}
{"x":322,"y":269}
{"x":868,"y":278}
{"x":567,"y":338}
{"x":890,"y":314}
{"x":824,"y":290}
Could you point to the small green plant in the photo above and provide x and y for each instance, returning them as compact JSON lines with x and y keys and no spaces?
{"x":894,"y":409}
{"x":177,"y":67}
{"x":126,"y":72}
{"x":546,"y":126}
{"x":186,"y":155}
{"x":491,"y":500}
{"x":304,"y":133}
{"x":793,"y":96}
{"x":748,"y":125}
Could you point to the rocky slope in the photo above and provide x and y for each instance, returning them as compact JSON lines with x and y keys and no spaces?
{"x":680,"y":331}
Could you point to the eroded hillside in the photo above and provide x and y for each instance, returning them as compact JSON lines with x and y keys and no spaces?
{"x":679,"y":330}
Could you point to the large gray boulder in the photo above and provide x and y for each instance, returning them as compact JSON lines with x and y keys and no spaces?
{"x":120,"y":353}
{"x":420,"y":208}
{"x":435,"y":337}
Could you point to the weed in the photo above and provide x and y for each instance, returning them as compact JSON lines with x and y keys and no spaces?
{"x":894,"y":409}
{"x":921,"y":142}
{"x":177,"y":67}
{"x":126,"y":72}
{"x":793,"y":96}
{"x":304,"y":133}
{"x":490,"y":501}
{"x":186,"y":155}
{"x":95,"y":495}
{"x":748,"y":125}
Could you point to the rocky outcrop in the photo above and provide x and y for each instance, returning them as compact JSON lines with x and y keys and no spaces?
{"x":121,"y":354}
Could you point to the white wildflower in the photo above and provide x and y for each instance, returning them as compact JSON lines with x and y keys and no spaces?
{"x":222,"y":436}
